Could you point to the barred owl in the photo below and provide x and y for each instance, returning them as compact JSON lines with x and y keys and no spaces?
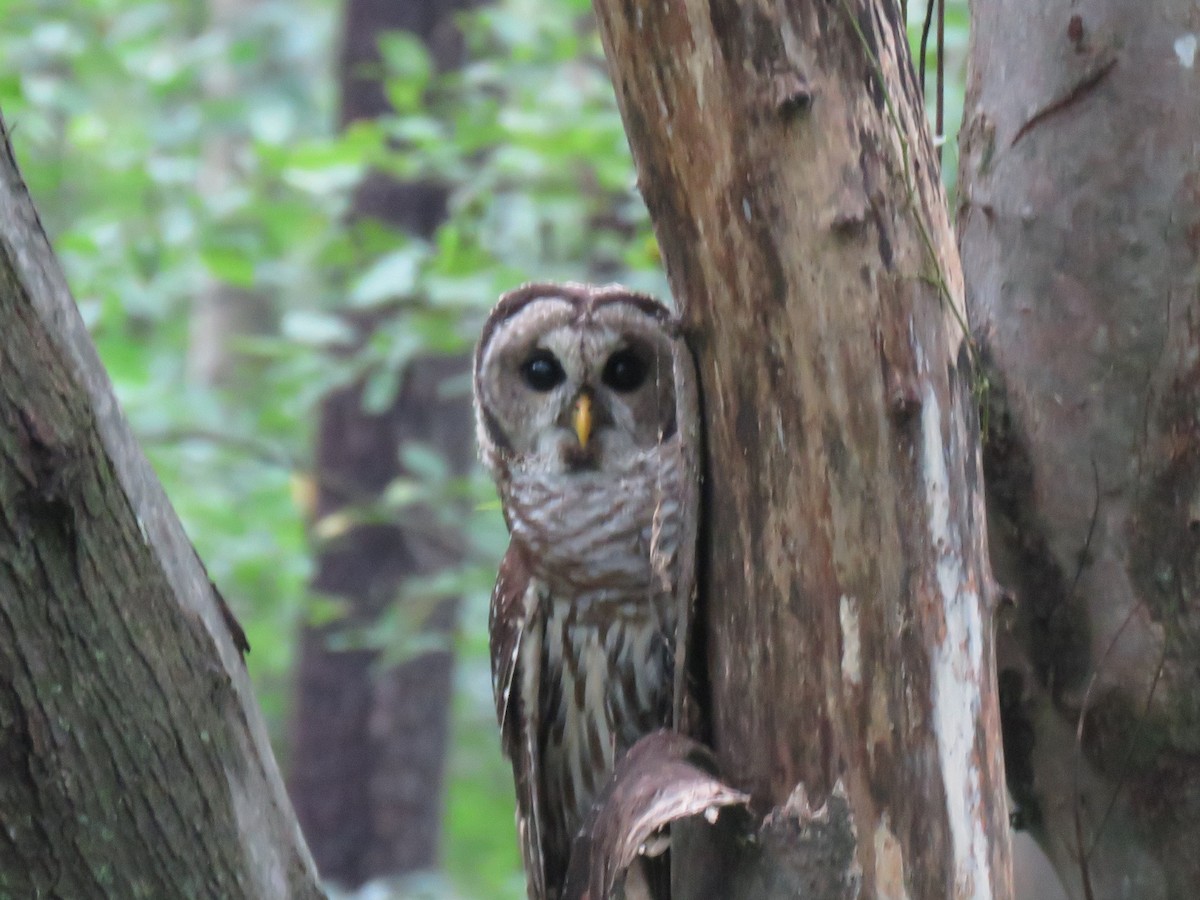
{"x":586,"y":416}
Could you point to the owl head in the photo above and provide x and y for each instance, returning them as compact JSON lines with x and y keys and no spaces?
{"x":573,"y":378}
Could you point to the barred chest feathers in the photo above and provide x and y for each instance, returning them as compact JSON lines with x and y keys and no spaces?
{"x":598,"y":536}
{"x":605,"y":562}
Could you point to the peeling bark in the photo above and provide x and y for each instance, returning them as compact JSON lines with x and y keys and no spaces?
{"x":133,"y":758}
{"x":784,"y":157}
{"x":1080,"y":233}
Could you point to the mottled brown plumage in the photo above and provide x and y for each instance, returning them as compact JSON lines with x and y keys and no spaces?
{"x":586,"y":413}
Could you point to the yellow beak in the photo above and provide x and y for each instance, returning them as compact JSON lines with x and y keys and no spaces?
{"x":583,"y":418}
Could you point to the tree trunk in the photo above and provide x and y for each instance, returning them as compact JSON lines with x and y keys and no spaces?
{"x":785,"y":159}
{"x":222,"y":312}
{"x":1080,"y":231}
{"x":369,"y":744}
{"x":133,"y":759}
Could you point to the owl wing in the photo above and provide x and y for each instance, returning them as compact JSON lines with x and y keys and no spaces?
{"x":516,"y":625}
{"x":687,"y":423}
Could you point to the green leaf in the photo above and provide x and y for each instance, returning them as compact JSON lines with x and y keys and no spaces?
{"x":317,"y":329}
{"x":408,"y":69}
{"x":423,"y":462}
{"x":323,"y":610}
{"x":229,"y":264}
{"x":393,"y":275}
{"x":380,"y":389}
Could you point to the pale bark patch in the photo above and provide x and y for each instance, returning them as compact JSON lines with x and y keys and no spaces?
{"x":1185,"y":49}
{"x":889,"y":863}
{"x":851,"y":641}
{"x":957,"y":667}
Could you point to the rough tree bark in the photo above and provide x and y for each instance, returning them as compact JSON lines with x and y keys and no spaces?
{"x":1080,"y":233}
{"x":784,"y":156}
{"x":133,"y":759}
{"x":369,"y":745}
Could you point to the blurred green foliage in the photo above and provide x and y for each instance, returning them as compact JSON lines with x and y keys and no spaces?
{"x":957,"y":30}
{"x":180,"y":149}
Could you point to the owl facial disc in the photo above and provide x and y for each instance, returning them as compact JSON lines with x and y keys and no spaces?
{"x":572,"y":379}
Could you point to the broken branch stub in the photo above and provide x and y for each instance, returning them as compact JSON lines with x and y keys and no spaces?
{"x":665,"y":777}
{"x":795,"y":851}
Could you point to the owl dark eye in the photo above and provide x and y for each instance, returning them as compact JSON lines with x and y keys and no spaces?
{"x":625,"y":371}
{"x":542,"y":371}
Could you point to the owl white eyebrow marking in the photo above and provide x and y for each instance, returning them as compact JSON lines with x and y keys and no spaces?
{"x":517,"y":299}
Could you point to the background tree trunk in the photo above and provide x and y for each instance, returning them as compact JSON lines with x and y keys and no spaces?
{"x":220,"y":311}
{"x":1080,"y":233}
{"x":369,"y":744}
{"x":133,"y":758}
{"x":784,"y":156}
